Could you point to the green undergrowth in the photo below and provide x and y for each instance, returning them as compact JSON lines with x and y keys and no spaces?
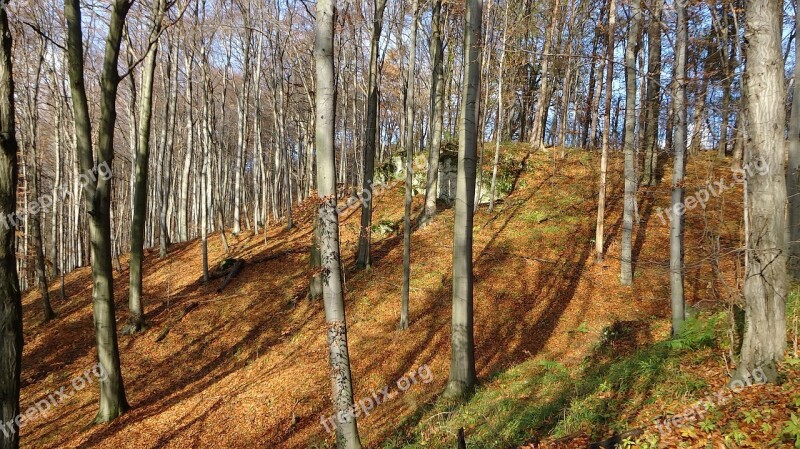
{"x":540,"y":399}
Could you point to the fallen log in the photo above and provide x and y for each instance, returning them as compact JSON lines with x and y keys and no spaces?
{"x":616,"y":440}
{"x":186,"y":310}
{"x":235,"y":270}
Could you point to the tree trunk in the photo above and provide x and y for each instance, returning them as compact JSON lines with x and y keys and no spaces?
{"x":241,"y":133}
{"x":341,"y":379}
{"x":57,"y":220}
{"x":462,"y":359}
{"x":183,"y":200}
{"x":113,"y":402}
{"x":500,"y":110}
{"x":599,"y":239}
{"x":653,"y":103}
{"x":168,"y":147}
{"x":793,"y":174}
{"x":699,"y":115}
{"x":364,"y":259}
{"x":35,"y":211}
{"x":542,"y":106}
{"x":679,"y":140}
{"x":205,"y":175}
{"x":437,"y":112}
{"x":631,"y":50}
{"x":409,"y":140}
{"x":765,"y":287}
{"x":595,"y":86}
{"x":136,"y":321}
{"x":10,"y":297}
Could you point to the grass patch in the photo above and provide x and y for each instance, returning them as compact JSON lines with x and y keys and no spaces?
{"x":542,"y":398}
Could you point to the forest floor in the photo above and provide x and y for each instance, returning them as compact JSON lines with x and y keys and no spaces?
{"x":564,"y":353}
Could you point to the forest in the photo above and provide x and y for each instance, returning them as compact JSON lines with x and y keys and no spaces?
{"x":399,"y":224}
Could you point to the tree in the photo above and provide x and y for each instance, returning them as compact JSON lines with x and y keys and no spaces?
{"x":543,"y":103}
{"x":631,"y":55}
{"x":599,"y":238}
{"x":437,"y":112}
{"x":370,"y":133}
{"x":765,"y":286}
{"x":136,"y":321}
{"x":30,"y":148}
{"x":242,"y":102}
{"x":167,"y":144}
{"x":677,"y":220}
{"x":500,"y":110}
{"x":331,"y":276}
{"x":793,"y":177}
{"x":653,"y":104}
{"x":410,"y":114}
{"x":10,"y":297}
{"x":462,"y":356}
{"x":97,"y":194}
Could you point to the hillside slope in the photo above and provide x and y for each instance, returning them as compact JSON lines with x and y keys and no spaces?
{"x":248,"y":366}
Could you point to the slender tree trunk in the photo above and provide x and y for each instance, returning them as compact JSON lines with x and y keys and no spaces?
{"x":364,"y":259}
{"x":136,"y":321}
{"x":679,"y":140}
{"x":241,"y":133}
{"x":462,"y":359}
{"x":765,"y":287}
{"x":699,"y":115}
{"x":57,"y":220}
{"x":500,"y":110}
{"x":631,"y":50}
{"x":595,"y":85}
{"x":205,"y":175}
{"x":793,"y":173}
{"x":542,"y":106}
{"x":653,"y":103}
{"x":599,"y":240}
{"x":437,"y":112}
{"x":168,"y":147}
{"x":183,"y":201}
{"x":36,"y":231}
{"x":410,"y":121}
{"x":10,"y":297}
{"x":341,"y":378}
{"x":35,"y":211}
